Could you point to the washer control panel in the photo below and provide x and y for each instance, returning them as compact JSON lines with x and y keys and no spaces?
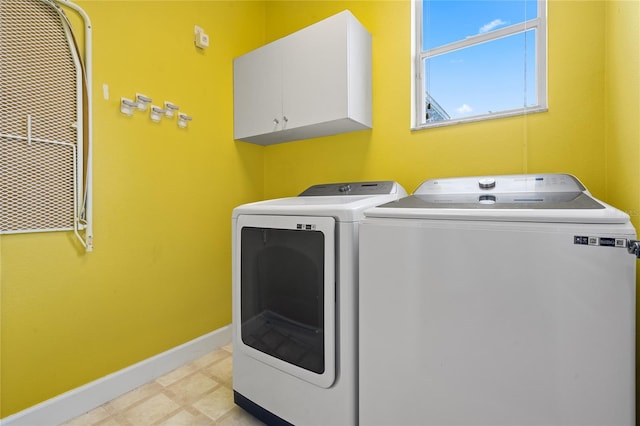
{"x":539,"y":183}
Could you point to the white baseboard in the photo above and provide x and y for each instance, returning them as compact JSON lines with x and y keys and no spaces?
{"x":68,"y":405}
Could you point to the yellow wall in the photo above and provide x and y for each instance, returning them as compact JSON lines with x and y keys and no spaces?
{"x":591,"y":130}
{"x":160,"y":274}
{"x":568,"y":138}
{"x":161,"y":271}
{"x":622,"y":111}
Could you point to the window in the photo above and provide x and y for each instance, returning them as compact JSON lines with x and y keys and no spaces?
{"x":478,"y":59}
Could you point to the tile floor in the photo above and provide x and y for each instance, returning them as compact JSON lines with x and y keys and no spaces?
{"x":199,"y":393}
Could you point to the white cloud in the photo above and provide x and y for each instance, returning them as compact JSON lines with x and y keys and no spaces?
{"x":492,"y":25}
{"x":464,"y":109}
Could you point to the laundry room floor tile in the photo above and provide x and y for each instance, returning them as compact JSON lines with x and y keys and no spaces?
{"x":199,"y":394}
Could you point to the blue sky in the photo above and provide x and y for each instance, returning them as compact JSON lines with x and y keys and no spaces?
{"x":485,"y":78}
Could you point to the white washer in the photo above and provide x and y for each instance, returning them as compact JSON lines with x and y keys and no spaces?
{"x":505,"y":300}
{"x":295,"y":294}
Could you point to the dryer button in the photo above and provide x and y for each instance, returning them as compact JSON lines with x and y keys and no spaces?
{"x":345,"y":188}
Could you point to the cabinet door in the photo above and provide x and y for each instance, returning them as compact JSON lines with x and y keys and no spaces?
{"x":314,"y":84}
{"x":257,"y":92}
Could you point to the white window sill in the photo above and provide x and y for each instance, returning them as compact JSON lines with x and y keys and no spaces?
{"x":475,"y":118}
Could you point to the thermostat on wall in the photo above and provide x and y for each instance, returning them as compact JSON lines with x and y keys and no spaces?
{"x":201,"y":39}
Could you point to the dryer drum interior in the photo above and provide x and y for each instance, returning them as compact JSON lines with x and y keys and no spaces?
{"x":282,"y":295}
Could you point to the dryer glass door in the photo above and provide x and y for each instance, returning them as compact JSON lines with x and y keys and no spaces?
{"x":287,"y":294}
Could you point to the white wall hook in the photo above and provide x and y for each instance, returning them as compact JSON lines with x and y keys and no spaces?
{"x":142,"y":101}
{"x":156,"y":113}
{"x":183,"y":119}
{"x":127,"y":106}
{"x":170,"y":108}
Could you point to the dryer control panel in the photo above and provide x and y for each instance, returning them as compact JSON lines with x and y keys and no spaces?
{"x":351,"y":188}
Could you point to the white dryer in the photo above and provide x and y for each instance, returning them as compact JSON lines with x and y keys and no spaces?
{"x":295,"y":295}
{"x":506,"y":300}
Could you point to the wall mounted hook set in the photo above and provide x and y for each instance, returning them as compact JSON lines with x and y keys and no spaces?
{"x":156,"y":113}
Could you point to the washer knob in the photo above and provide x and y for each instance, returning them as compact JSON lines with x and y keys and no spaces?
{"x":487,"y":199}
{"x":345,"y":188}
{"x":487,"y":183}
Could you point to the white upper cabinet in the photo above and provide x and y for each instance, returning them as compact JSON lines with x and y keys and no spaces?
{"x":314,"y":82}
{"x":257,"y":92}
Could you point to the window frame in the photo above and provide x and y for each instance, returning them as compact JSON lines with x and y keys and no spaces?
{"x":539,"y":24}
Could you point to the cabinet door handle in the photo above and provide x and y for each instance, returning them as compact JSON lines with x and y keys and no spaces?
{"x":275,"y":121}
{"x":285,"y":119}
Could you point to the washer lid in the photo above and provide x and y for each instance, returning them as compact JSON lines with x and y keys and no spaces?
{"x":582,"y":209}
{"x":530,"y":198}
{"x":517,"y":201}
